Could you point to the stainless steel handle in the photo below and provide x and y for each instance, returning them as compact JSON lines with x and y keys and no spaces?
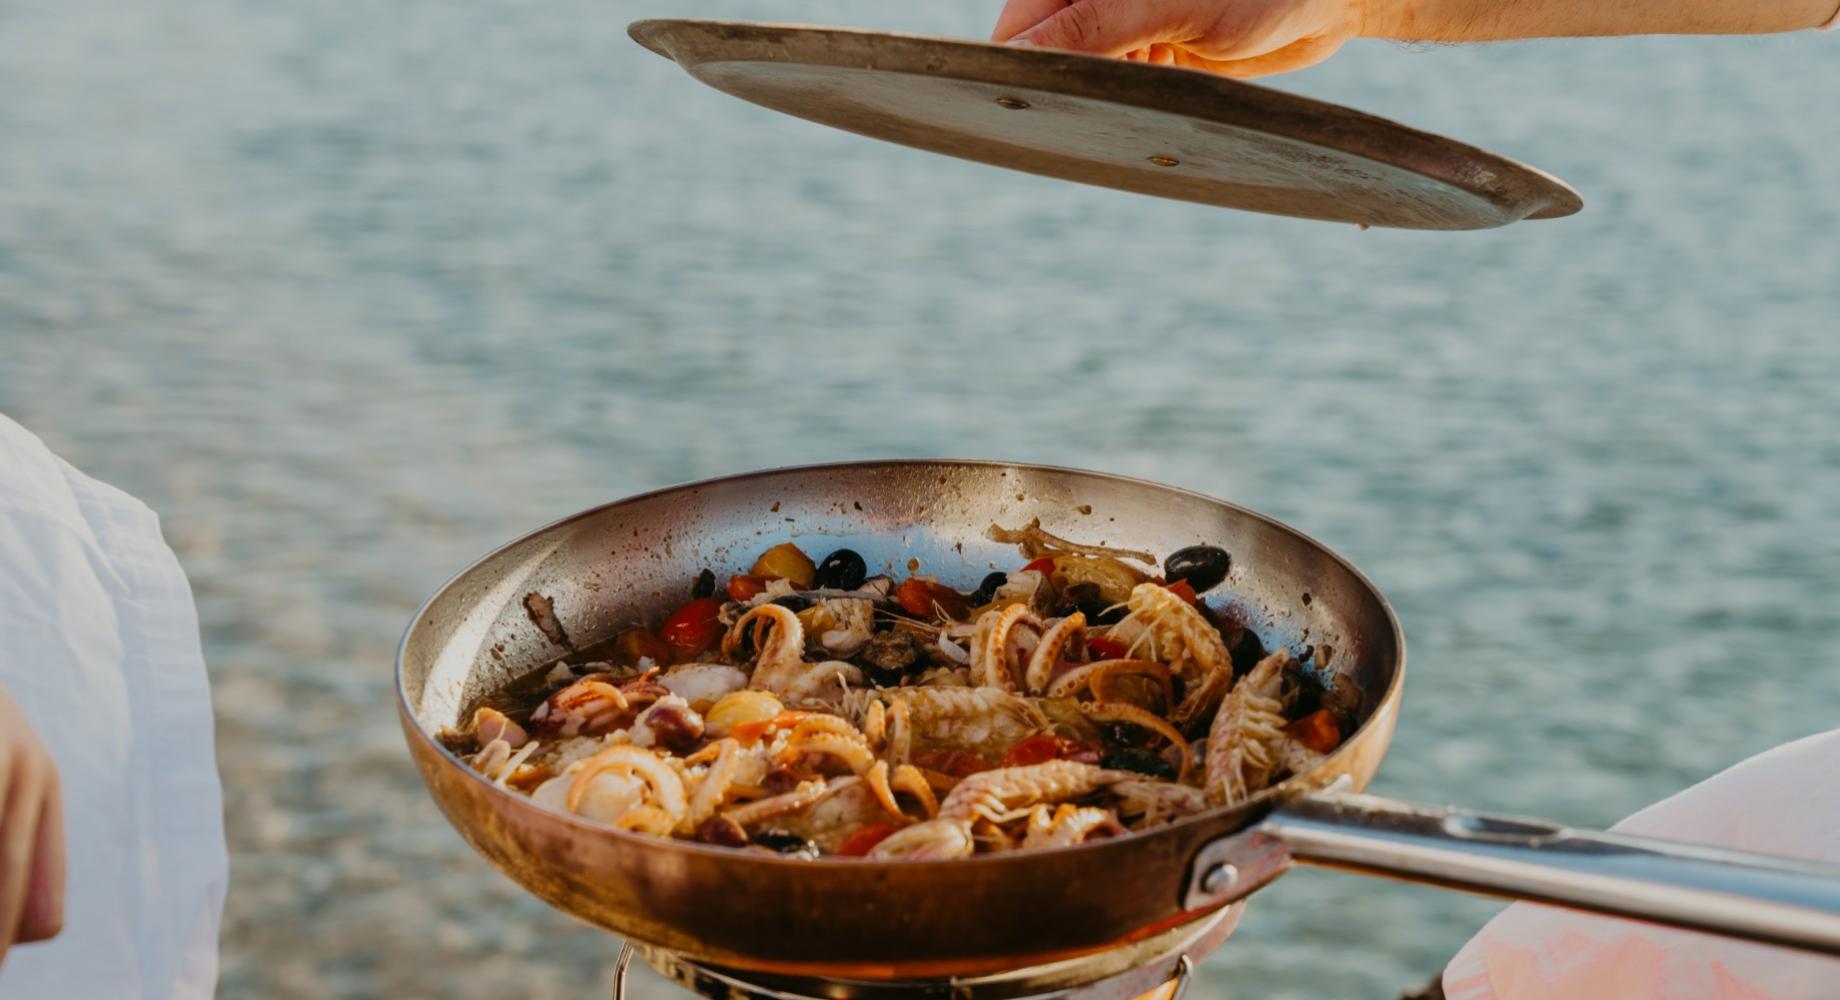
{"x":1751,"y":896}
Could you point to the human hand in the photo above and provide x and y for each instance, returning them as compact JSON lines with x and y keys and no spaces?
{"x":31,"y":835}
{"x":1260,"y":37}
{"x":1239,"y":38}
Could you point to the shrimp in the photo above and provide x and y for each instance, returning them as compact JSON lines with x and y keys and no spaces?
{"x":1156,"y":801}
{"x":1068,"y":825}
{"x":590,"y":706}
{"x":933,"y":840}
{"x":982,"y":718}
{"x":997,"y":795}
{"x":993,"y":797}
{"x":1244,"y":743}
{"x":1178,"y":635}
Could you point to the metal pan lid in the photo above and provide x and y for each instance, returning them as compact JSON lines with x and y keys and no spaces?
{"x":1170,"y":132}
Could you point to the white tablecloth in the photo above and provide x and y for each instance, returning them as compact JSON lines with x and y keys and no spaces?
{"x":99,"y":647}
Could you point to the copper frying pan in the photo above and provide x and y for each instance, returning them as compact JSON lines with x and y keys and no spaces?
{"x":606,"y":568}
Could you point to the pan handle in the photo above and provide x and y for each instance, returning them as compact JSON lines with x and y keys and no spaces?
{"x":1755,"y":897}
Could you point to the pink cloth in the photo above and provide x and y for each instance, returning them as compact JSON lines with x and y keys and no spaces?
{"x":1785,"y":801}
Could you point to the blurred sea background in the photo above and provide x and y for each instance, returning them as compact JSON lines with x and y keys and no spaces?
{"x":351,"y":293}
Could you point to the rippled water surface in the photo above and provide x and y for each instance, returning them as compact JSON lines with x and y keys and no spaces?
{"x":352,"y":292}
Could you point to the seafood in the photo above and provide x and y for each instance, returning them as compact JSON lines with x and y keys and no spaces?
{"x":1178,"y":635}
{"x":1071,"y":699}
{"x":1068,"y":825}
{"x":844,"y":624}
{"x":1048,"y":653}
{"x":1244,"y":745}
{"x":995,"y":795}
{"x":663,"y":804}
{"x":703,"y":684}
{"x":992,"y":644}
{"x":780,"y":667}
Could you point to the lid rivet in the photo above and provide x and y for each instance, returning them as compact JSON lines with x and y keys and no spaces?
{"x":1012,"y":103}
{"x":1164,"y":161}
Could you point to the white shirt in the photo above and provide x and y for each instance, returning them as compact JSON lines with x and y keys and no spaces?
{"x":99,"y":648}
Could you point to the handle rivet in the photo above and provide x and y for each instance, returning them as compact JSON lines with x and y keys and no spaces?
{"x":1219,"y":879}
{"x":1012,"y":103}
{"x":1164,"y":161}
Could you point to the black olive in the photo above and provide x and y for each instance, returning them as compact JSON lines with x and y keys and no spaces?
{"x":1141,"y":761}
{"x":1299,"y":693}
{"x":1203,"y":566}
{"x":705,"y":586}
{"x":1345,"y":700}
{"x":1087,"y":600}
{"x":841,"y":570}
{"x":1244,"y":647}
{"x":987,"y":591}
{"x":789,"y":844}
{"x":792,"y":602}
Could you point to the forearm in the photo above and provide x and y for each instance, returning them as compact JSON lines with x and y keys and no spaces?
{"x":1496,"y":20}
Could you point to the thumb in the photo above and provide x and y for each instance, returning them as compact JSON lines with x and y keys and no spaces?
{"x":1105,"y":27}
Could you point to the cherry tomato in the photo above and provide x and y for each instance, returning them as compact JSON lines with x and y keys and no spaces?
{"x":1318,"y":731}
{"x":746,"y":588}
{"x":954,"y":762}
{"x":1040,"y":748}
{"x":636,"y":644}
{"x":1102,"y":648}
{"x":865,"y":838}
{"x":693,"y":627}
{"x":1182,"y":589}
{"x":1044,"y":566}
{"x":919,"y":597}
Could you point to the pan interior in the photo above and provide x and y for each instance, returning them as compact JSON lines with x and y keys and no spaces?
{"x":630,"y":562}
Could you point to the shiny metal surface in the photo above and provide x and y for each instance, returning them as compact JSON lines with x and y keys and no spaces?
{"x":1165,"y":131}
{"x":1156,"y":968}
{"x":843,"y":918}
{"x":848,"y":919}
{"x":1755,"y":897}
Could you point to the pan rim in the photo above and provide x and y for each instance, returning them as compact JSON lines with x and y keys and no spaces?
{"x":1556,"y":197}
{"x":1251,"y":807}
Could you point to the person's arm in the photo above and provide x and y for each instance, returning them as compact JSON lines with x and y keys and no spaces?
{"x":1481,"y":21}
{"x":1259,"y":37}
{"x":31,"y":835}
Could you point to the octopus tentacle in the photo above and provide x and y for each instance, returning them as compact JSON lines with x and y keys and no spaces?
{"x":1070,"y":630}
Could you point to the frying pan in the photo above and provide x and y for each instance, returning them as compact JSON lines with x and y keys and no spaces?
{"x":608,"y":568}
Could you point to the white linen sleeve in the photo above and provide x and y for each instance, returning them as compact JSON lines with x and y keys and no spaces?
{"x":99,"y":647}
